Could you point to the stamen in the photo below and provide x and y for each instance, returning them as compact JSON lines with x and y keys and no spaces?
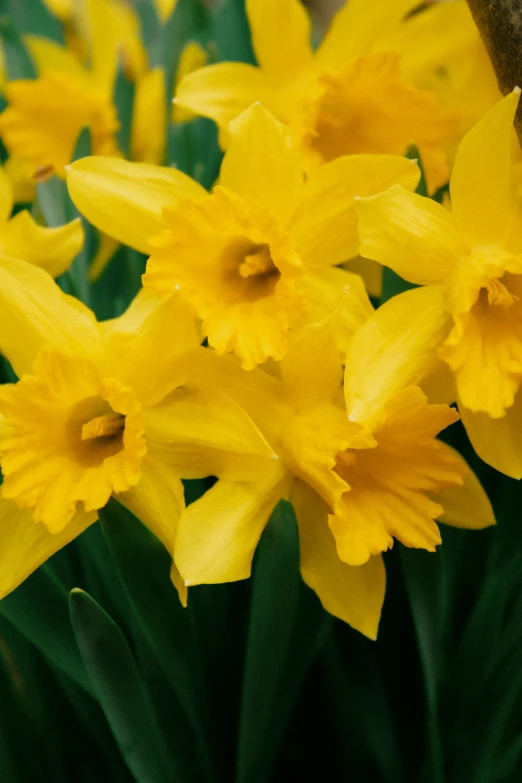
{"x":499,"y":295}
{"x":106,"y":426}
{"x":259,"y":262}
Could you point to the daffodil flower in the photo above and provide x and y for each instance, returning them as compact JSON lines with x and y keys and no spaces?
{"x":360,"y":469}
{"x":347,"y":97}
{"x":101,"y":410}
{"x":470,"y":261}
{"x":258,"y":255}
{"x":52,"y":249}
{"x":74,"y":90}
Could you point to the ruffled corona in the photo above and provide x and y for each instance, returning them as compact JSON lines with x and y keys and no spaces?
{"x":237,"y":267}
{"x":69,"y":435}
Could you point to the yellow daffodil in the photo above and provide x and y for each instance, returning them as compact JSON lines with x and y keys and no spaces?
{"x":74,"y":90}
{"x":258,"y":255}
{"x":347,"y":97}
{"x":470,"y":261}
{"x":52,"y":249}
{"x":360,"y":470}
{"x":101,"y":410}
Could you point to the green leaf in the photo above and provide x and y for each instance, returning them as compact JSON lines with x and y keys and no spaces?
{"x":124,"y":90}
{"x":232,"y":32}
{"x":18,"y":61}
{"x":35,"y":18}
{"x":144,"y":566}
{"x":284,"y":634}
{"x":38,"y":609}
{"x":117,"y":683}
{"x":424,"y":581}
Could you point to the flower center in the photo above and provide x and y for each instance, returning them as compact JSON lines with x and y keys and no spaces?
{"x":249,"y":270}
{"x":95,"y":431}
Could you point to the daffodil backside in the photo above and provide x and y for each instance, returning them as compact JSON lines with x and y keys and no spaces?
{"x":358,"y":475}
{"x":256,"y":257}
{"x":474,"y":256}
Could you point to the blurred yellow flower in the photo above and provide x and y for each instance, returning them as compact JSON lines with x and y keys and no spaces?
{"x":256,"y":257}
{"x":349,"y":96}
{"x":474,"y":255}
{"x":358,"y":478}
{"x":100,"y":410}
{"x":192,"y":57}
{"x":74,"y":90}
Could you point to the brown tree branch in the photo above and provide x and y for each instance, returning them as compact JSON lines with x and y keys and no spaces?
{"x":500,"y":25}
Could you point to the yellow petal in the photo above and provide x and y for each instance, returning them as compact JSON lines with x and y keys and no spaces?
{"x":336,"y":292}
{"x":357,"y":27}
{"x":20,"y":173}
{"x":394,"y":349}
{"x":481,"y":188}
{"x":413,"y":235}
{"x":310,"y":348}
{"x":467,"y":506}
{"x":280,"y":36}
{"x":131,"y":320}
{"x":165,"y":8}
{"x":192,"y":57}
{"x":125,"y":200}
{"x":113,"y":35}
{"x":257,"y":392}
{"x":34,"y":312}
{"x":202,"y":432}
{"x":324,"y":226}
{"x":149,"y":118}
{"x":61,"y":8}
{"x":6,"y":196}
{"x":25,"y":544}
{"x":218,"y":534}
{"x":273,"y":176}
{"x":224,"y":90}
{"x":147,"y":358}
{"x":52,"y":249}
{"x":158,"y":501}
{"x":497,"y":441}
{"x":355,"y":594}
{"x":48,"y":55}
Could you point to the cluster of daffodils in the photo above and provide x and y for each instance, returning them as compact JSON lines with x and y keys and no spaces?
{"x":253,"y":352}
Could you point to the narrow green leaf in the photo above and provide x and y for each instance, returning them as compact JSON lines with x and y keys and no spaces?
{"x":18,"y":61}
{"x":38,"y":609}
{"x":124,"y":90}
{"x":144,"y":567}
{"x":281,"y":643}
{"x":36,"y":19}
{"x":232,"y":32}
{"x":423,"y":574}
{"x":116,"y":680}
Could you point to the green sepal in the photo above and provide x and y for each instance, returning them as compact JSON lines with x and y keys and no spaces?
{"x":115,"y":678}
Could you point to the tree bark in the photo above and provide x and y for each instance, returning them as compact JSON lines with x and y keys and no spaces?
{"x":500,"y":25}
